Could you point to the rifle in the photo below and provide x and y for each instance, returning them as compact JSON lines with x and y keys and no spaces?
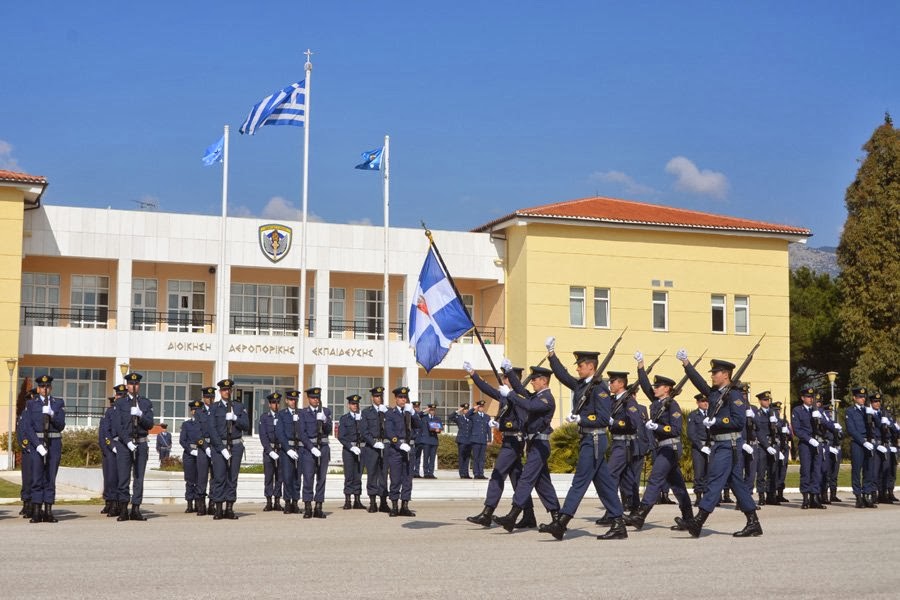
{"x":229,"y":429}
{"x":319,"y":426}
{"x":527,"y":380}
{"x":597,"y":374}
{"x":134,"y":426}
{"x":680,"y":385}
{"x":870,"y":430}
{"x":47,"y":435}
{"x":407,"y":424}
{"x":720,"y":402}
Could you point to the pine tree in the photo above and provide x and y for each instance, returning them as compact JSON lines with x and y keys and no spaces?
{"x":869,"y":256}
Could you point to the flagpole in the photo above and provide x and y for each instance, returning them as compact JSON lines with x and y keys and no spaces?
{"x":303,"y":301}
{"x":221,"y":317}
{"x":440,"y":258}
{"x":386,"y":161}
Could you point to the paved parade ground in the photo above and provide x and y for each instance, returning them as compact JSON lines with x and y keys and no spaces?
{"x":840,"y":552}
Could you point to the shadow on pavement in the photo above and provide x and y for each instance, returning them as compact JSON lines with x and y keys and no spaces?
{"x":424,"y":524}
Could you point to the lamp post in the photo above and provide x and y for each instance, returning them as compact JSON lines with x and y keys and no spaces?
{"x":10,"y":457}
{"x":123,"y":368}
{"x":832,"y":375}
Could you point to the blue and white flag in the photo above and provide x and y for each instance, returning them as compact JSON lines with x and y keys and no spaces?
{"x":371,"y":160}
{"x":437,"y":317}
{"x":215,"y":152}
{"x":285,"y":107}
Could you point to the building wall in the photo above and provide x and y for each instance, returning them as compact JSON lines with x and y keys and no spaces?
{"x":11,"y":216}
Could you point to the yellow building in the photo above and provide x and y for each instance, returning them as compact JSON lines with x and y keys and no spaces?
{"x":586,"y":269}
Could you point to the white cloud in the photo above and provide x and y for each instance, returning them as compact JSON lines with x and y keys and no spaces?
{"x":239,"y":211}
{"x":364,"y":221}
{"x":691,"y":179}
{"x":624,"y":180}
{"x":7,"y":160}
{"x":280,"y":209}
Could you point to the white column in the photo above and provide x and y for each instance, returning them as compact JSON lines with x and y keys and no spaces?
{"x":323,"y":285}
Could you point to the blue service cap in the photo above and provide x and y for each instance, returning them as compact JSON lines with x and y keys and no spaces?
{"x":660,"y":380}
{"x":313,"y":392}
{"x":720,"y":365}
{"x":584,"y":355}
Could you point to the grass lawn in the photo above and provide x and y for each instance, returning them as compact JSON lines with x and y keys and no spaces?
{"x":9,"y":490}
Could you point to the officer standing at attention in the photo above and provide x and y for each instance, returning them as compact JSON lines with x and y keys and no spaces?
{"x":700,"y":445}
{"x":192,"y":443}
{"x":315,"y":427}
{"x":25,"y":493}
{"x":420,"y":449}
{"x":784,"y":454}
{"x":769,"y":443}
{"x":43,"y":420}
{"x":591,"y":411}
{"x":163,"y":443}
{"x":204,"y":454}
{"x":108,"y":455}
{"x":432,"y":426}
{"x":268,"y":423}
{"x":350,"y":436}
{"x":227,"y":423}
{"x":289,"y":433}
{"x":400,"y":426}
{"x":373,"y":453}
{"x":132,"y":421}
{"x":726,"y":425}
{"x":750,"y":454}
{"x":479,"y":436}
{"x":463,"y":444}
{"x":832,"y":465}
{"x":859,"y":428}
{"x":805,"y":418}
{"x":882,"y":425}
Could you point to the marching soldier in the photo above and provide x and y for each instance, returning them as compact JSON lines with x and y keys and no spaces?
{"x":43,"y":420}
{"x":463,"y":438}
{"x":108,"y":455}
{"x":432,"y":426}
{"x":268,"y":437}
{"x":769,"y":443}
{"x":805,"y":418}
{"x":132,"y":420}
{"x":350,"y":436}
{"x":193,"y":445}
{"x":204,"y":455}
{"x":227,"y":423}
{"x":288,"y":432}
{"x":701,"y":448}
{"x":373,"y":453}
{"x":624,"y":423}
{"x":643,"y":448}
{"x":859,"y":428}
{"x":400,"y":425}
{"x":315,"y":427}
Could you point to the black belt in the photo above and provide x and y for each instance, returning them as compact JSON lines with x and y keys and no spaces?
{"x":592,"y":431}
{"x":50,"y":435}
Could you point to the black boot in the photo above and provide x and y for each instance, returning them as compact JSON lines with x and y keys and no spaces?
{"x":891,"y":495}
{"x":113,"y":509}
{"x":295,"y":507}
{"x":288,"y":507}
{"x":868,"y":500}
{"x":347,"y":503}
{"x":483,"y":518}
{"x":664,"y":499}
{"x":726,"y":496}
{"x":604,"y":521}
{"x":27,"y":510}
{"x":752,"y":528}
{"x":218,"y":514}
{"x":617,"y":531}
{"x":383,"y":507}
{"x":558,"y":527}
{"x":761,"y":502}
{"x":229,"y":511}
{"x":781,"y":497}
{"x":833,"y":497}
{"x":637,"y":517}
{"x":357,"y":504}
{"x":103,"y":511}
{"x":123,"y":511}
{"x":695,"y":524}
{"x":772,"y":498}
{"x":686,"y":515}
{"x":373,"y":504}
{"x":888,"y":497}
{"x":404,"y":509}
{"x":268,"y":506}
{"x":201,"y":506}
{"x":318,"y":513}
{"x":528,"y":520}
{"x":393,"y":512}
{"x":860,"y":503}
{"x":805,"y":503}
{"x":37,"y":513}
{"x":136,"y":513}
{"x":554,"y":517}
{"x":190,"y":507}
{"x":277,"y":505}
{"x":307,"y":510}
{"x":824,"y":498}
{"x":815,"y":501}
{"x":508,"y":521}
{"x":873,"y":499}
{"x":697,"y":496}
{"x":48,"y":514}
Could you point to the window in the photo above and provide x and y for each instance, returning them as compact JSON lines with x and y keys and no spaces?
{"x":718,"y":313}
{"x":402,"y":312}
{"x":144,"y":294}
{"x":310,"y":326}
{"x":660,"y":311}
{"x":169,"y":391}
{"x":368,"y":308}
{"x":469,"y":302}
{"x":90,"y":301}
{"x":339,"y":387}
{"x":40,"y":298}
{"x":336,"y":297}
{"x":447,"y":394}
{"x":187,"y":301}
{"x":261,"y":309}
{"x":601,"y":307}
{"x":84,"y":391}
{"x":576,"y":306}
{"x":742,"y":314}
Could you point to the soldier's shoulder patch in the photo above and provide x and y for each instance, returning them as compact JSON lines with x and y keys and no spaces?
{"x":621,"y":423}
{"x":667,"y":428}
{"x":394,"y":439}
{"x":738,"y":402}
{"x":632,"y":408}
{"x":24,"y":442}
{"x":200,"y":442}
{"x":726,"y":420}
{"x":603,"y":395}
{"x":676,"y":414}
{"x":545,"y":401}
{"x":592,"y":417}
{"x":508,"y":424}
{"x":107,"y":441}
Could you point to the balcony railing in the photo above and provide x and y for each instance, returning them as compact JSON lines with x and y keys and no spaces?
{"x":363,"y":329}
{"x":82,"y":318}
{"x":173,"y":320}
{"x":490,"y":335}
{"x":268,"y":325}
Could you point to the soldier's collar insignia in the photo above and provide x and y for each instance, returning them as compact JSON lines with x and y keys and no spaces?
{"x":726,"y":420}
{"x":592,"y":417}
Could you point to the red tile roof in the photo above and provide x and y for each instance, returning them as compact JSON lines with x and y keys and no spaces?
{"x":14,"y":177}
{"x":628,"y":212}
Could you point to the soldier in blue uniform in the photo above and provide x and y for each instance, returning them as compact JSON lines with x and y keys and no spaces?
{"x":228,"y":421}
{"x":132,"y":420}
{"x":769,"y":446}
{"x":419,"y":449}
{"x":463,"y":444}
{"x":289,"y":432}
{"x":204,"y":454}
{"x":643,"y":449}
{"x":726,"y":425}
{"x":784,"y":455}
{"x":108,"y":455}
{"x":268,"y":422}
{"x":665,"y":423}
{"x":882,"y":441}
{"x":350,"y":435}
{"x":833,"y":458}
{"x":315,"y":428}
{"x":432,"y":426}
{"x":890,"y":436}
{"x":750,"y":449}
{"x":373,"y":452}
{"x":479,"y":436}
{"x":805,"y":418}
{"x":25,"y":494}
{"x":163,"y":443}
{"x":592,"y":412}
{"x":191,"y":440}
{"x":826,"y":436}
{"x":43,"y":420}
{"x":701,"y":445}
{"x":624,"y":424}
{"x":860,"y":429}
{"x":400,"y":425}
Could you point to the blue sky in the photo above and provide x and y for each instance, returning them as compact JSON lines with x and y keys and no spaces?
{"x":751,"y":109}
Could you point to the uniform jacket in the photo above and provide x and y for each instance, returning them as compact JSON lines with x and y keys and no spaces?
{"x":596,"y":410}
{"x":268,"y":435}
{"x":192,"y":433}
{"x":731,"y":415}
{"x":33,"y":420}
{"x":309,"y":426}
{"x":464,"y":427}
{"x":372,"y":424}
{"x":122,"y":425}
{"x":218,"y":432}
{"x":480,"y":433}
{"x":395,"y":427}
{"x":350,"y":431}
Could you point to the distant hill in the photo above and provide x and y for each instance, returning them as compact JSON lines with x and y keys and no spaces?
{"x":820,"y":260}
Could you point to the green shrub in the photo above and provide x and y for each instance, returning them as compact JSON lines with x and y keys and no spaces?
{"x":448,"y":453}
{"x":171,"y":463}
{"x":564,"y":443}
{"x":80,"y":448}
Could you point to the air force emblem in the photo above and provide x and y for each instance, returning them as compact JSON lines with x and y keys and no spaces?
{"x":275,"y":241}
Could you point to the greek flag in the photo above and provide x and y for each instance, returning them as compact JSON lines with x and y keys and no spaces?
{"x":437,"y":317}
{"x":214,"y":153}
{"x":371,"y":160}
{"x":285,"y":107}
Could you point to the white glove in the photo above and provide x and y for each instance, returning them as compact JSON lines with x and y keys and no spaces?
{"x":773,"y":419}
{"x":194,"y":452}
{"x":681,"y":355}
{"x":296,"y":417}
{"x":208,"y":452}
{"x":382,"y":408}
{"x":838,"y":427}
{"x":316,"y":452}
{"x":573,"y":418}
{"x":784,"y":429}
{"x":467,"y":367}
{"x":357,"y":416}
{"x":226,"y":454}
{"x":639,"y":356}
{"x":320,"y":416}
{"x":709,"y":421}
{"x":505,"y":364}
{"x":881,"y":449}
{"x":771,"y":450}
{"x":504,"y":390}
{"x":780,"y":456}
{"x":378,"y":446}
{"x":550,"y":344}
{"x":611,"y":421}
{"x":408,"y":408}
{"x":868,"y":446}
{"x":749,"y":412}
{"x":894,"y":449}
{"x":405,"y":447}
{"x":870,"y":410}
{"x":293,"y":454}
{"x":884,"y":420}
{"x":46,"y":409}
{"x":494,"y":424}
{"x":814,"y":442}
{"x":41,"y":450}
{"x":355,"y":450}
{"x":833,"y":450}
{"x":115,"y":450}
{"x":816,"y":414}
{"x":748,"y":449}
{"x":273,"y":455}
{"x":230,"y":416}
{"x":136,"y":412}
{"x":706,"y":450}
{"x":132,"y":446}
{"x":651,"y":425}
